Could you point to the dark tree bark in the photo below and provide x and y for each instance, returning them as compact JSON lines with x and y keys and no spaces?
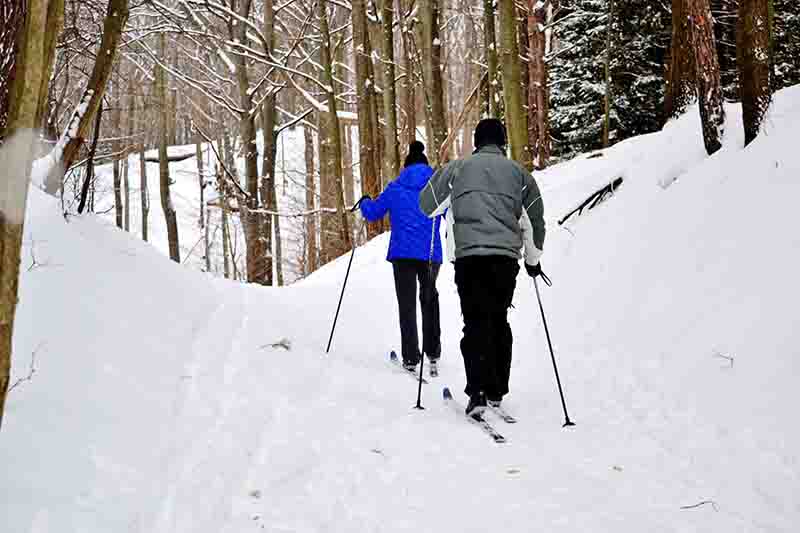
{"x":166,"y":199}
{"x":680,"y":82}
{"x":311,"y":219}
{"x":539,"y":86}
{"x":115,"y":20}
{"x":494,"y":87}
{"x":709,"y":90}
{"x":515,"y":118}
{"x":367,"y":137}
{"x":90,"y":161}
{"x":335,"y":227}
{"x":410,"y":79}
{"x":392,"y":159}
{"x":432,"y":52}
{"x":754,"y":58}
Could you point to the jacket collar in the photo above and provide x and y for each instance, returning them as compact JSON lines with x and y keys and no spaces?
{"x":490,"y":149}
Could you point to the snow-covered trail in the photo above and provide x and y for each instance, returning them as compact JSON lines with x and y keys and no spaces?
{"x":159,"y":405}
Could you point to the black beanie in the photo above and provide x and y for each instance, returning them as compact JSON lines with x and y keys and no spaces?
{"x":490,"y":131}
{"x":416,"y":154}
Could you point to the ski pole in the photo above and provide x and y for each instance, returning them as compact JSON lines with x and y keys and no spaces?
{"x":341,"y":296}
{"x":430,"y":293}
{"x":567,"y":422}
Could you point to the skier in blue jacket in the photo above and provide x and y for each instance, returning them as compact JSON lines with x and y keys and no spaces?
{"x":410,"y":251}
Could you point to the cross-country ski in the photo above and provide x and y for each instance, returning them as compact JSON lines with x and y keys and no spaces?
{"x":477,"y":420}
{"x":408,"y":371}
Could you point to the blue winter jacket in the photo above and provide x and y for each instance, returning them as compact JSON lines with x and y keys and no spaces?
{"x":411,"y":229}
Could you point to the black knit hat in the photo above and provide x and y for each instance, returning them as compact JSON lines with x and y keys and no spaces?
{"x":490,"y":131}
{"x":416,"y":154}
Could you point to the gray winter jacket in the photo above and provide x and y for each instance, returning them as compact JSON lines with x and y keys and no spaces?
{"x":496,"y":205}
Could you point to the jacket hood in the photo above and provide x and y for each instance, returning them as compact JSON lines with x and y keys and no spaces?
{"x":415,"y":177}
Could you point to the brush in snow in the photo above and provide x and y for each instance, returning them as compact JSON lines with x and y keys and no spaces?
{"x":410,"y":371}
{"x":476,"y":419}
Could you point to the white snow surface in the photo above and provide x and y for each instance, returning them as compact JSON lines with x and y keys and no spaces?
{"x":157,"y":405}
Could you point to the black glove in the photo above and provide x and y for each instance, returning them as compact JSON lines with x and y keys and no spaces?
{"x":365,"y":197}
{"x":536,"y":271}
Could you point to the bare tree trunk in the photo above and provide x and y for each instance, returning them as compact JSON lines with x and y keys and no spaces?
{"x":490,"y":46}
{"x":368,"y":168}
{"x":607,"y":67}
{"x":524,"y":50}
{"x":347,"y":162}
{"x":311,"y":222}
{"x":469,"y":78}
{"x":409,"y":80}
{"x":226,"y":237}
{"x":117,"y":148}
{"x":144,"y":192}
{"x":90,"y":166}
{"x":336,"y":231}
{"x":268,"y":182}
{"x":709,"y":91}
{"x":126,"y":165}
{"x":201,"y":178}
{"x":432,"y":54}
{"x":754,"y":58}
{"x":680,"y":80}
{"x":392,"y":158}
{"x":516,"y":121}
{"x":163,"y":163}
{"x":116,"y":17}
{"x":257,"y":240}
{"x":539,"y":86}
{"x":16,"y":156}
{"x":35,"y":48}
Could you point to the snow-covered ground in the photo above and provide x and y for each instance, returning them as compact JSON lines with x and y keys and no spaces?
{"x":185,"y":191}
{"x":159,"y":405}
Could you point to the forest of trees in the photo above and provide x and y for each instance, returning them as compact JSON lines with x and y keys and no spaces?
{"x":106,"y":81}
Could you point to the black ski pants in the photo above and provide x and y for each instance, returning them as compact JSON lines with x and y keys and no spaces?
{"x":486,"y":289}
{"x":406,"y":274}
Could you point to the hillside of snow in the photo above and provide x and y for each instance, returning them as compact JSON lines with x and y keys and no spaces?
{"x":290,"y":170}
{"x":162,"y":400}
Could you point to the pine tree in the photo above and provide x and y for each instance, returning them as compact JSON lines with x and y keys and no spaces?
{"x":642,"y":34}
{"x":707,"y":78}
{"x":754,"y":55}
{"x":786,"y":42}
{"x":577,"y":88}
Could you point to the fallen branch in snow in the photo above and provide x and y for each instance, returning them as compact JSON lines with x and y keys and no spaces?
{"x":594,"y":199}
{"x":723,"y":356}
{"x":31,"y":370}
{"x":284,"y":343}
{"x":712,"y":503}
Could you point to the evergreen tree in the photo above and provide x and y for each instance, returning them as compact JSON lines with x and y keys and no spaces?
{"x":725,"y":14}
{"x":577,"y":88}
{"x":642,"y":29}
{"x":786,"y":43}
{"x":640,"y":37}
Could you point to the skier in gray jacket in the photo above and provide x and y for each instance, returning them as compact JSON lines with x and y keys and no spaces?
{"x":496,"y":211}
